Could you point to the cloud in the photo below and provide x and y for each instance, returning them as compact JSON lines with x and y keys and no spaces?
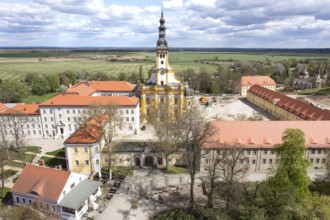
{"x":172,"y":4}
{"x":190,"y":23}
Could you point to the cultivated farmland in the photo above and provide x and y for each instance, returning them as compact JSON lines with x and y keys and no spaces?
{"x":15,"y":64}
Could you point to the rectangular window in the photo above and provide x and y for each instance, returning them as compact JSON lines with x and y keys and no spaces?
{"x":74,"y":111}
{"x":319,"y":151}
{"x":311,"y":160}
{"x":253,"y":161}
{"x":44,"y":111}
{"x":270,"y":161}
{"x":51,"y":111}
{"x":51,"y":119}
{"x":76,"y":162}
{"x":265,"y":152}
{"x":324,"y":160}
{"x":313,"y":151}
{"x":85,"y":149}
{"x":67,"y":111}
{"x":86,"y":162}
{"x":254,"y":152}
{"x":68,"y":118}
{"x":132,"y":111}
{"x":317,"y":160}
{"x":60,"y":115}
{"x":132,"y":118}
{"x":45,"y":119}
{"x":23,"y":200}
{"x":127,"y":118}
{"x":75,"y":149}
{"x":248,"y":152}
{"x":127,"y":112}
{"x":17,"y":199}
{"x":264,"y":161}
{"x":97,"y":161}
{"x":130,"y":128}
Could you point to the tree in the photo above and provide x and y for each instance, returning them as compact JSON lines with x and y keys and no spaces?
{"x":53,"y":81}
{"x":167,"y":129}
{"x":141,"y":73}
{"x":195,"y":132}
{"x":232,"y":167}
{"x":105,"y":120}
{"x":122,"y":76}
{"x":101,"y":76}
{"x":13,"y":91}
{"x":4,"y":141}
{"x":17,"y":121}
{"x":289,"y":182}
{"x":205,"y":81}
{"x":40,"y":85}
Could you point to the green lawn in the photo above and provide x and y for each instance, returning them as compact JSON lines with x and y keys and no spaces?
{"x":175,"y":170}
{"x":52,"y":162}
{"x":32,"y":149}
{"x":15,"y":164}
{"x":125,"y":171}
{"x":15,"y":154}
{"x":316,"y":91}
{"x":40,"y":99}
{"x":59,"y":153}
{"x":9,"y":173}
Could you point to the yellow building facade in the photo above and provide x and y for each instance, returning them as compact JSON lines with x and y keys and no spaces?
{"x":162,"y":87}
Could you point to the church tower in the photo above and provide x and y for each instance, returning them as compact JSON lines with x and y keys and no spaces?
{"x":162,"y":87}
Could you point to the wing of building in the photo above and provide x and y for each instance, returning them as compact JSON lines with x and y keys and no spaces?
{"x":60,"y":194}
{"x":258,"y":139}
{"x":284,"y":107}
{"x":22,"y":120}
{"x":247,"y":82}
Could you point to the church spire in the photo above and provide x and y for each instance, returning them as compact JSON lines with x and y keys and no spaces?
{"x":162,"y":43}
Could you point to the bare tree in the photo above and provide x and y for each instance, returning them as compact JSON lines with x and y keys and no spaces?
{"x":195,"y":132}
{"x":233,"y":167}
{"x":105,"y":120}
{"x":4,"y":141}
{"x":211,"y":159}
{"x":167,"y":130}
{"x":17,"y":122}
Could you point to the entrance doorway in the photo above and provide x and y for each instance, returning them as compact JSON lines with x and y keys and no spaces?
{"x":137,"y":161}
{"x":160,"y":161}
{"x":149,"y":161}
{"x":62,"y":130}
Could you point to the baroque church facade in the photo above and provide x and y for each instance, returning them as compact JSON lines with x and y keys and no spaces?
{"x":162,"y":87}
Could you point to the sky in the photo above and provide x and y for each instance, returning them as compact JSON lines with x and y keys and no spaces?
{"x":190,"y":23}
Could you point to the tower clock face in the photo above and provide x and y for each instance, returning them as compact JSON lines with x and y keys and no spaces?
{"x":162,"y":72}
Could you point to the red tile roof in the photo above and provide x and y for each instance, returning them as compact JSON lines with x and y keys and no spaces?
{"x":256,"y":80}
{"x":112,"y":86}
{"x":76,"y":100}
{"x":46,"y":182}
{"x":22,"y":109}
{"x":251,"y":134}
{"x":2,"y":106}
{"x":81,"y":89}
{"x":296,"y":107}
{"x":89,"y":133}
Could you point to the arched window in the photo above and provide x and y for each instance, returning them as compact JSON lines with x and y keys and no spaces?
{"x":148,"y":100}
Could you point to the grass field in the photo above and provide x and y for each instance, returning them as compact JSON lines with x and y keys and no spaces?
{"x":40,"y":99}
{"x":57,"y":153}
{"x":15,"y":64}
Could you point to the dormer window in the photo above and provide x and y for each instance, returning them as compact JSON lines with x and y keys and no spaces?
{"x":34,"y":193}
